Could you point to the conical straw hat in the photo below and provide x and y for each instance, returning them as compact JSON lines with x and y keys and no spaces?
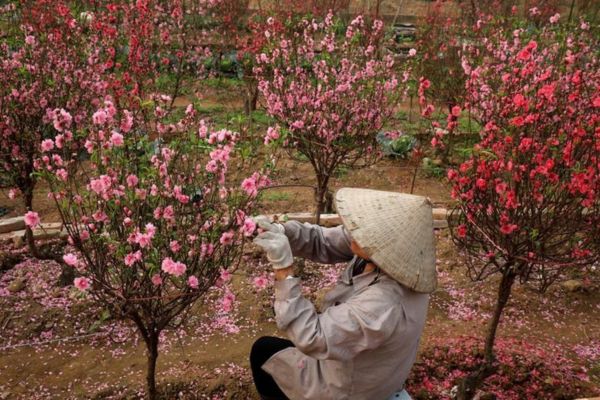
{"x":395,"y":230}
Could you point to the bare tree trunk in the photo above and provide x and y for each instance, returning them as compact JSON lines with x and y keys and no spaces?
{"x":28,"y":199}
{"x":152,"y":352}
{"x":323,"y":199}
{"x":414,"y":177}
{"x":571,"y":10}
{"x":469,"y":385}
{"x":251,"y":96}
{"x":504,"y":290}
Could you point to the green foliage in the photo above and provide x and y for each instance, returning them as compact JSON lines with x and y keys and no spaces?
{"x":341,"y":171}
{"x":432,"y":169}
{"x":166,"y":81}
{"x":468,"y":125}
{"x":223,"y":83}
{"x":402,"y":146}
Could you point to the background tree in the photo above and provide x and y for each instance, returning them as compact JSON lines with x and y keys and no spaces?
{"x":331,"y":89}
{"x":50,"y":82}
{"x":528,"y":197}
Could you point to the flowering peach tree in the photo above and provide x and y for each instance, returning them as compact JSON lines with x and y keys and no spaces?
{"x":331,"y":89}
{"x":50,"y":80}
{"x":153,"y":223}
{"x":528,"y":203}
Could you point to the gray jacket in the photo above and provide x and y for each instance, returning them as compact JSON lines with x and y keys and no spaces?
{"x":362,"y":345}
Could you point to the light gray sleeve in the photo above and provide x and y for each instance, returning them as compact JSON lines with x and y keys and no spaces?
{"x":339,"y":333}
{"x":319,"y":244}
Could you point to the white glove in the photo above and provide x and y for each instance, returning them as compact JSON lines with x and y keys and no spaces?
{"x":277,"y":246}
{"x":263,"y":222}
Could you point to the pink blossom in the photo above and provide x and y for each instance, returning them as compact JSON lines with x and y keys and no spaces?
{"x":132,"y":180}
{"x":70,"y":259}
{"x":519,"y":100}
{"x":99,"y":117}
{"x":299,"y":124}
{"x":116,"y":139}
{"x":150,"y":229}
{"x":143,"y":239}
{"x":156,"y":280}
{"x":226,"y":238}
{"x":554,"y":19}
{"x":249,"y":227}
{"x":518,"y":121}
{"x":175,"y":268}
{"x":47,"y":145}
{"x":62,"y":174}
{"x":61,"y":119}
{"x":260,"y":282}
{"x":225,"y":275}
{"x":507,"y":229}
{"x":211,"y":166}
{"x":101,"y":184}
{"x":89,"y":146}
{"x":132,"y":258}
{"x":272,"y":134}
{"x":412,"y":52}
{"x":127,"y":122}
{"x":174,"y":246}
{"x":81,"y":283}
{"x":32,"y":219}
{"x":169,"y":213}
{"x":193,"y":282}
{"x":249,"y":186}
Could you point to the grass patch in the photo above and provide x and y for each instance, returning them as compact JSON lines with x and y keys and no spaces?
{"x":223,"y":83}
{"x":270,"y":195}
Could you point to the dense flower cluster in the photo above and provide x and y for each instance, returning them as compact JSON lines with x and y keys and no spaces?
{"x":530,"y":193}
{"x":331,"y":92}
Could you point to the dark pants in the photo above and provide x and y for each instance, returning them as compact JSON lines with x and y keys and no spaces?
{"x":261,"y":351}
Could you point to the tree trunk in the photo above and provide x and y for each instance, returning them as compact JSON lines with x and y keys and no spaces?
{"x":152,"y":351}
{"x":251,"y":96}
{"x":323,"y":198}
{"x":467,"y":388}
{"x":449,"y":145}
{"x":320,"y":205}
{"x":571,"y":10}
{"x":28,"y":199}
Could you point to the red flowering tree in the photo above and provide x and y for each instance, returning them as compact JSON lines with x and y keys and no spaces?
{"x":49,"y":83}
{"x":153,"y":223}
{"x":529,"y":196}
{"x":331,"y":92}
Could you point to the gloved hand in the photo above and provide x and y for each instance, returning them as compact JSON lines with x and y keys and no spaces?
{"x":263,"y":222}
{"x":277,"y":246}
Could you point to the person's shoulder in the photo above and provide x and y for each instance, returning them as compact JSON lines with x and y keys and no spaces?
{"x":393,"y":292}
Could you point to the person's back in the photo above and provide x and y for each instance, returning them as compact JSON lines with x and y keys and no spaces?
{"x":383,"y":370}
{"x":364,"y":342}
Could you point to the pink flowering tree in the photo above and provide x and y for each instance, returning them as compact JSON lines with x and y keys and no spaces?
{"x":153,"y":223}
{"x":528,"y":203}
{"x":330,"y":92}
{"x":50,"y":81}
